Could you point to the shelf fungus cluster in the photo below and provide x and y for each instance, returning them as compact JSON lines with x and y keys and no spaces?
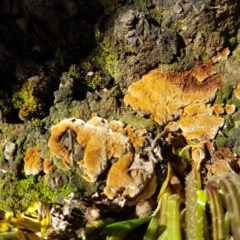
{"x":34,"y":164}
{"x":109,"y":145}
{"x":182,"y":98}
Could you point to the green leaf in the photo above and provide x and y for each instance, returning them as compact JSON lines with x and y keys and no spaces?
{"x":125,"y":226}
{"x":24,"y":223}
{"x":165,"y":186}
{"x":4,"y":225}
{"x":9,"y":236}
{"x":163,"y":236}
{"x":201,"y":215}
{"x":152,"y":230}
{"x":95,"y":225}
{"x":184,"y":153}
{"x":159,"y":215}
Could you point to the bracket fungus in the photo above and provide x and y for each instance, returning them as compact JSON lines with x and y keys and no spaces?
{"x":130,"y":178}
{"x":199,"y":122}
{"x":165,"y":95}
{"x":33,"y":163}
{"x":100,"y":143}
{"x":127,"y":179}
{"x":200,"y":126}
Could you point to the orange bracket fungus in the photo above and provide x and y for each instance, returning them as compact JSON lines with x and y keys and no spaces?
{"x":33,"y":163}
{"x":165,"y":95}
{"x":100,"y":143}
{"x":199,"y":122}
{"x":137,"y":177}
{"x":200,"y":127}
{"x":131,"y":177}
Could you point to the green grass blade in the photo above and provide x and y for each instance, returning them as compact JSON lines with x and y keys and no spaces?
{"x":93,"y":229}
{"x":231,"y":188}
{"x":173,"y":218}
{"x":195,"y":215}
{"x":227,"y":225}
{"x":229,"y":184}
{"x":163,"y":236}
{"x":201,"y":215}
{"x":125,"y":226}
{"x":158,"y":221}
{"x":218,"y":226}
{"x":152,"y":230}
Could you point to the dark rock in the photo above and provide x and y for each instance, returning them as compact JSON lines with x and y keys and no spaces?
{"x":141,"y":36}
{"x":138,"y":45}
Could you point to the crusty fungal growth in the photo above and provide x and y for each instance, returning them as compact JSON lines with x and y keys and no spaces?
{"x":146,"y":193}
{"x":230,"y":108}
{"x":33,"y":163}
{"x":218,"y":108}
{"x":202,"y":72}
{"x":128,"y":177}
{"x":198,"y":108}
{"x":100,"y":143}
{"x":199,"y":122}
{"x":200,"y":126}
{"x":222,"y":56}
{"x":48,"y":166}
{"x":164,"y":95}
{"x":237,"y":91}
{"x":131,"y":178}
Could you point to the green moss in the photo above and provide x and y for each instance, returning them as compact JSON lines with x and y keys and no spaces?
{"x":74,"y":71}
{"x":228,"y":126}
{"x":28,"y":100}
{"x":78,"y":185}
{"x":48,"y":193}
{"x":66,"y":190}
{"x":139,"y":122}
{"x":224,"y":93}
{"x":220,"y":141}
{"x":111,"y":64}
{"x":24,"y":100}
{"x":236,"y":117}
{"x":106,"y":55}
{"x":94,"y":81}
{"x":234,"y":101}
{"x":16,"y":195}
